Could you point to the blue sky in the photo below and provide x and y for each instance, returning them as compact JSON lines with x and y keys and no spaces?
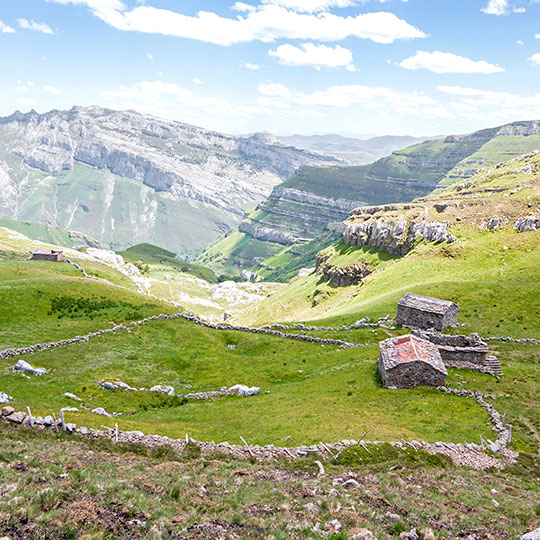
{"x":419,"y":67}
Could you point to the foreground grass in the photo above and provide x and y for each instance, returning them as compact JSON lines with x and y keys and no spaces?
{"x":67,"y":487}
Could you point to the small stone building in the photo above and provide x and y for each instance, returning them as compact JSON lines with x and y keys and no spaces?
{"x":415,"y":311}
{"x":464,"y":352}
{"x":47,"y":255}
{"x":409,"y":361}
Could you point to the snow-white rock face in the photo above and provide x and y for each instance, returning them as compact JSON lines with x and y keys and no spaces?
{"x":183,"y":172}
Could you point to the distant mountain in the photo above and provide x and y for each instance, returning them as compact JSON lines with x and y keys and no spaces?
{"x":351,"y":150}
{"x":125,"y":178}
{"x":305,"y":212}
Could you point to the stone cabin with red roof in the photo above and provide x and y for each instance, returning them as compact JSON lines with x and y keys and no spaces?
{"x":415,"y":311}
{"x":409,"y":361}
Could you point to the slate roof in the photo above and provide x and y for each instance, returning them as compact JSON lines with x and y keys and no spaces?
{"x":45,"y":251}
{"x":407,"y":349}
{"x":426,"y":303}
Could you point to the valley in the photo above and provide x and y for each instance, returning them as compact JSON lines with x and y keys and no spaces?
{"x":142,"y":355}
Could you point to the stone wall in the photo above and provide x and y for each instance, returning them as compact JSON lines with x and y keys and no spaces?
{"x":410,"y":375}
{"x":415,"y":318}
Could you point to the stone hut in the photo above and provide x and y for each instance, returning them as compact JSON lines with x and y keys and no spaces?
{"x":47,"y":255}
{"x":415,"y":311}
{"x":409,"y":361}
{"x":464,"y":352}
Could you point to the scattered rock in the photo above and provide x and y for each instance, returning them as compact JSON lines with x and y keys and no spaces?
{"x":6,"y":411}
{"x":163,"y":388}
{"x":533,"y":535}
{"x":364,"y":534}
{"x":25,"y":367}
{"x":243,"y":390}
{"x":16,"y":417}
{"x":5,"y":398}
{"x":115,"y":385}
{"x":69,"y":409}
{"x":69,"y":395}
{"x":101,"y":411}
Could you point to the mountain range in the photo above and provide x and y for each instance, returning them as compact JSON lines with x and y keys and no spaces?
{"x":125,"y":178}
{"x":306,"y":212}
{"x":351,"y":150}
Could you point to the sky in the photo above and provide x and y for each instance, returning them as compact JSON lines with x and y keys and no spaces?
{"x":359,"y":67}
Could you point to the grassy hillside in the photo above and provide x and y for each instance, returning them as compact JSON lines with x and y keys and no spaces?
{"x":150,"y":254}
{"x":72,"y":487}
{"x":322,"y":393}
{"x":48,"y":234}
{"x":404,"y":175}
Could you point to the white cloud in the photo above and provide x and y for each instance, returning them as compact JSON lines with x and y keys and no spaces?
{"x":149,"y":56}
{"x":535,"y":59}
{"x":501,"y":7}
{"x":52,"y":89}
{"x":5,"y":29}
{"x":23,"y":87}
{"x":26,"y":101}
{"x":248,"y":65}
{"x":165,"y":99}
{"x":311,"y":6}
{"x":342,"y":96}
{"x":197,"y":81}
{"x":442,"y":62}
{"x":264,"y":23}
{"x":318,"y":56}
{"x":520,"y":43}
{"x":36,"y":27}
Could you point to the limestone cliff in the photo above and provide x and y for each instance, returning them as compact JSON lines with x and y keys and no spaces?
{"x":125,"y":177}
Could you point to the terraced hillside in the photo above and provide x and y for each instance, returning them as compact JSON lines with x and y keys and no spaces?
{"x":125,"y":178}
{"x":305,"y":208}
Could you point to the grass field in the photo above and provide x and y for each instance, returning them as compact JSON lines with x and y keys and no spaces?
{"x":63,"y":487}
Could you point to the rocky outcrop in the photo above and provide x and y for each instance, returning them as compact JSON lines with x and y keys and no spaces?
{"x":268,"y":234}
{"x":396,"y":237}
{"x":527,"y":224}
{"x":305,"y":197}
{"x":341,"y":276}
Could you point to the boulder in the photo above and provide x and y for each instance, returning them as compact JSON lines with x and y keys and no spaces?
{"x":364,"y":534}
{"x":163,"y":388}
{"x":25,"y":367}
{"x":243,"y":390}
{"x":101,"y":411}
{"x":16,"y":417}
{"x":69,"y":395}
{"x":6,"y":411}
{"x":5,"y":398}
{"x":533,"y":535}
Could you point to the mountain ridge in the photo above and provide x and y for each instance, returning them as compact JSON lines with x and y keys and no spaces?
{"x":63,"y":167}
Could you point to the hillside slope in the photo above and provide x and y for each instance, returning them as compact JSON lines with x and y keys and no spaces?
{"x":472,"y":260}
{"x":124,"y":177}
{"x":310,"y":205}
